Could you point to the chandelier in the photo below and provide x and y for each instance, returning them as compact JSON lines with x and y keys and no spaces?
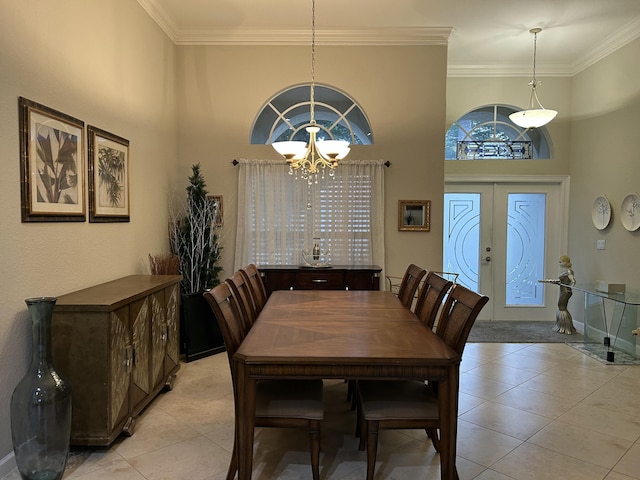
{"x":535,"y":115}
{"x":319,"y":154}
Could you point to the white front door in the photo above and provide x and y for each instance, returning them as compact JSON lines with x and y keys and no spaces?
{"x":502,"y":238}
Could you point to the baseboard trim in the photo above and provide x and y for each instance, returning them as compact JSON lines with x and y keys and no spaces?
{"x":7,"y":464}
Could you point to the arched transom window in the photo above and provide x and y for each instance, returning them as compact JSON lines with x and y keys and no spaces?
{"x":286,"y":115}
{"x":486,"y":133}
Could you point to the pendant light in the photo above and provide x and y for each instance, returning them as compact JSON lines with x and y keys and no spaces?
{"x":535,"y":115}
{"x":318,"y":155}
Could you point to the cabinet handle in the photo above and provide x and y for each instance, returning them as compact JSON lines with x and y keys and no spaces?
{"x":319,"y":280}
{"x":133,"y":353}
{"x":127,"y":358}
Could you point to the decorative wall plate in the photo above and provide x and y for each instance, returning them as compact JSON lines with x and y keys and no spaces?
{"x":630,"y":212}
{"x":601,"y":213}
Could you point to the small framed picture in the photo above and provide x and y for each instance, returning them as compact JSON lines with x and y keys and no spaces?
{"x":52,"y":172}
{"x":219,"y":211}
{"x":414,"y":215}
{"x":108,"y":176}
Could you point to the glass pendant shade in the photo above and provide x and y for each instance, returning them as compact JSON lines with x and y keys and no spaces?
{"x":533,"y":118}
{"x":334,"y":149}
{"x":290,"y":149}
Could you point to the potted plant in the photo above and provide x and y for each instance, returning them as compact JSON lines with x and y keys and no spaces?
{"x":194,"y":238}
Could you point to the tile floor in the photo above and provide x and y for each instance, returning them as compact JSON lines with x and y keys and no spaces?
{"x":527,"y":411}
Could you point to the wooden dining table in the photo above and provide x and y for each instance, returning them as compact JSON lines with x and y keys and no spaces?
{"x":344,"y":334}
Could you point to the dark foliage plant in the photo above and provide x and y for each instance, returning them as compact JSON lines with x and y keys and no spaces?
{"x":194,"y":237}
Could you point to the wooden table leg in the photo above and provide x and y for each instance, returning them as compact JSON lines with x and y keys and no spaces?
{"x":448,"y":403}
{"x":245,"y":420}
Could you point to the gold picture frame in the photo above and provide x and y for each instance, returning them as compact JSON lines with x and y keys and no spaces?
{"x":219,"y":212}
{"x":414,"y":215}
{"x":52,"y":168}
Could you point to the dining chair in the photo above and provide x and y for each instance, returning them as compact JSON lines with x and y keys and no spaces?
{"x":430,"y":298}
{"x":241,"y":290}
{"x":279,"y":403}
{"x":409,"y":284}
{"x":257,"y":288}
{"x":413,"y":404}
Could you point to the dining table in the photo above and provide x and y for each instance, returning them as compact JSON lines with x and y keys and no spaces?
{"x":342,"y":334}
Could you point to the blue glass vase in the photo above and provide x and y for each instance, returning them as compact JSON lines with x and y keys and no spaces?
{"x":41,"y":405}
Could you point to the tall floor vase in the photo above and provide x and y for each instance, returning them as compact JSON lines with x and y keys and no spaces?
{"x":41,"y":405}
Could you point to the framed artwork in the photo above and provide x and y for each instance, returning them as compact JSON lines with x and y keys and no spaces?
{"x":108,"y":176}
{"x":414,"y":215}
{"x":52,"y":172}
{"x":219,"y":211}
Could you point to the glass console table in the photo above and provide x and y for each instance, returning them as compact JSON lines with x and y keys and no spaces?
{"x":609,"y":319}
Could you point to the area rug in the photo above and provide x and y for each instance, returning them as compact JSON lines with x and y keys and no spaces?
{"x":599,"y":352}
{"x":518,"y":332}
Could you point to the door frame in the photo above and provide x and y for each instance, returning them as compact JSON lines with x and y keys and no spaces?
{"x":562,"y":182}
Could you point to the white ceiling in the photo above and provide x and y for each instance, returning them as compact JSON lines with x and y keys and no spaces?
{"x":485,"y":37}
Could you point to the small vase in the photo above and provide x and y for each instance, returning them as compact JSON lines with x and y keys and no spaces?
{"x":41,"y":405}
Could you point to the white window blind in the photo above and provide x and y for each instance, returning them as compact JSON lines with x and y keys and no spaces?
{"x":278,"y":215}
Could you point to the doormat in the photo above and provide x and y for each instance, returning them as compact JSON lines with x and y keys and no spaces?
{"x":599,"y":352}
{"x":518,"y":332}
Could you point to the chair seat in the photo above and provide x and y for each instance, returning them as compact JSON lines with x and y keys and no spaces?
{"x":290,"y":399}
{"x":397,"y":400}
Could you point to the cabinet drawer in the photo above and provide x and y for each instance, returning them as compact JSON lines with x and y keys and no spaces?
{"x":319,"y":280}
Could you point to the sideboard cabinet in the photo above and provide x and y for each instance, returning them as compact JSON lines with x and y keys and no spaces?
{"x":117,"y":344}
{"x":335,"y":277}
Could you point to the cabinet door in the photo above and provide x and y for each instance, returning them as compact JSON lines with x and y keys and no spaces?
{"x":120,"y":367}
{"x":158,"y":338}
{"x":172,"y":299}
{"x":140,"y":312}
{"x":361,"y":280}
{"x":276,"y":280}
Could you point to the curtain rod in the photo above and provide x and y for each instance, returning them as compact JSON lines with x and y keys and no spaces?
{"x":235,"y":162}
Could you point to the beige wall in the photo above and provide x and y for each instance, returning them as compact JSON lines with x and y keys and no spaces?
{"x":605,"y":161}
{"x":401,"y":89}
{"x":112,"y":68}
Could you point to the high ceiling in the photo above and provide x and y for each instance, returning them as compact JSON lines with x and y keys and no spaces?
{"x":485,"y":37}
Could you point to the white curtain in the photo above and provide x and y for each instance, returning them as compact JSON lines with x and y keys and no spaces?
{"x":278,"y":215}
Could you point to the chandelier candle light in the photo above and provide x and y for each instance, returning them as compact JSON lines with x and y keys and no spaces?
{"x":533,"y":117}
{"x":319,"y":153}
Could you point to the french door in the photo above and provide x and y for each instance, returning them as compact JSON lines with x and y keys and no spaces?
{"x":504,"y":237}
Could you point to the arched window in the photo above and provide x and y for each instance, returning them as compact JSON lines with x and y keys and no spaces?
{"x":286,"y":115}
{"x":486,"y":133}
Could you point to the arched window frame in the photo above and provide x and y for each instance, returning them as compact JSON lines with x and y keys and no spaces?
{"x":286,"y":115}
{"x":506,"y":140}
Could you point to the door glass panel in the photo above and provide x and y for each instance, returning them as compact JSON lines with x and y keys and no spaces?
{"x":462,"y":237}
{"x":525,"y":248}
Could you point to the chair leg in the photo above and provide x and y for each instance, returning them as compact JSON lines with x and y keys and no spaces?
{"x":372,"y":447}
{"x":314,"y":447}
{"x":233,"y":465}
{"x":432,"y":433}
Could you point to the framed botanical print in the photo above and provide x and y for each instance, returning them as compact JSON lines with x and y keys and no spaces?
{"x":414,"y":215}
{"x":52,"y":173}
{"x":108,"y":176}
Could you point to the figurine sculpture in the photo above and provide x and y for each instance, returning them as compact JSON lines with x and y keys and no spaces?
{"x":566,"y":280}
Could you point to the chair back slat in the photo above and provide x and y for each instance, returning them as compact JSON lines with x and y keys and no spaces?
{"x":256,"y":285}
{"x":409,"y":284}
{"x":225,"y":307}
{"x":430,"y":298}
{"x":458,"y":315}
{"x":241,"y":290}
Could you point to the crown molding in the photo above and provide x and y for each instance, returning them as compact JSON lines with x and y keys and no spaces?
{"x":615,"y":41}
{"x":334,"y":36}
{"x":504,"y":70}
